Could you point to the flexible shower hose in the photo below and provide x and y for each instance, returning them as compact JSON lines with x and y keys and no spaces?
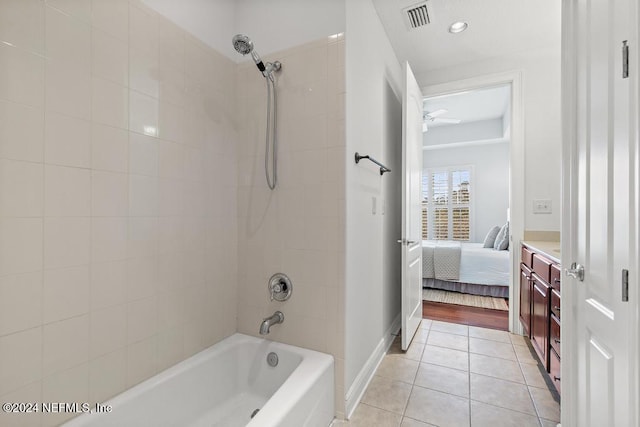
{"x":270,"y":138}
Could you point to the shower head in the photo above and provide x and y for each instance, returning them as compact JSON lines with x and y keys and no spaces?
{"x":243,"y":44}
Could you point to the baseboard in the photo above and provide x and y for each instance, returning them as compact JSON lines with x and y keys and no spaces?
{"x":360,"y":384}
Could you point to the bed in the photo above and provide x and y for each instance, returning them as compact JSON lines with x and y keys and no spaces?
{"x":465,"y":267}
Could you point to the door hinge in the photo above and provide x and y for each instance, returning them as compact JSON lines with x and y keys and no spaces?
{"x":625,"y":59}
{"x":625,"y":285}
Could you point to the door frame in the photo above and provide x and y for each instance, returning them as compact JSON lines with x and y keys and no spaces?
{"x":516,"y":170}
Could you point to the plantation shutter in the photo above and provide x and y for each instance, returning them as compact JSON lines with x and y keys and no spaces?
{"x":446,"y":207}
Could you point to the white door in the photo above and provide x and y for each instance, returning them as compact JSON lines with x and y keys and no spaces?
{"x":411,"y":207}
{"x":599,"y":327}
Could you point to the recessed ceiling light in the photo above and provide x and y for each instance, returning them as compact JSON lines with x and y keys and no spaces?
{"x":458,"y":27}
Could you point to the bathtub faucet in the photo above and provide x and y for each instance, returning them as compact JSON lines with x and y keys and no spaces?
{"x":266,"y":324}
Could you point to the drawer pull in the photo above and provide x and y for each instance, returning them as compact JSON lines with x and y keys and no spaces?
{"x":556,"y":280}
{"x":555,"y":307}
{"x":556,"y":378}
{"x":556,"y":340}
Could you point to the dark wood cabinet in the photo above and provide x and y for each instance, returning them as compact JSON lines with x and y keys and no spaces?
{"x":540,"y":307}
{"x":540,"y":319}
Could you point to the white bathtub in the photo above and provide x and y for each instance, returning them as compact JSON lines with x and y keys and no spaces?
{"x":224,"y":384}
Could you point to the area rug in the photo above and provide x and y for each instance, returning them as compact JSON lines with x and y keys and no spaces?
{"x":437,"y":295}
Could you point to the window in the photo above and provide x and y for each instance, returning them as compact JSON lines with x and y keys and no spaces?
{"x":446,"y":203}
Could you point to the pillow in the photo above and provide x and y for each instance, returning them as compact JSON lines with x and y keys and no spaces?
{"x":502,"y":239}
{"x":491,"y":237}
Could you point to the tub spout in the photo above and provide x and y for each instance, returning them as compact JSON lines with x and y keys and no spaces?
{"x":267,"y":323}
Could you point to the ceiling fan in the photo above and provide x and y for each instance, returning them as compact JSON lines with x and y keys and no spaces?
{"x":434,"y":117}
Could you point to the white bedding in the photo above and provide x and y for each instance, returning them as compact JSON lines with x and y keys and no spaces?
{"x":478,"y":265}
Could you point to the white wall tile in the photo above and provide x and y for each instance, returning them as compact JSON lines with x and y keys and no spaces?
{"x":170,"y":159}
{"x":65,"y":344}
{"x":144,"y":75}
{"x":22,"y":24}
{"x":79,"y":9}
{"x":170,"y":122}
{"x":110,"y":57}
{"x":66,"y":293}
{"x":110,"y":103}
{"x":170,"y":346}
{"x":107,"y":375}
{"x":108,"y":284}
{"x":112,"y":17}
{"x":109,"y":194}
{"x":68,"y":41}
{"x":21,"y":245}
{"x":142,"y":319}
{"x":20,"y":302}
{"x":68,"y":90}
{"x":170,"y":197}
{"x":71,"y":385}
{"x":67,"y":191}
{"x":20,"y":359}
{"x":21,"y":132}
{"x":142,"y":277}
{"x":22,"y":76}
{"x":109,"y":148}
{"x":108,"y":239}
{"x":67,"y":141}
{"x":142,"y":237}
{"x":143,"y":113}
{"x":142,"y":360}
{"x":108,"y":330}
{"x":67,"y":242}
{"x":143,"y":154}
{"x":143,"y":195}
{"x":21,"y":188}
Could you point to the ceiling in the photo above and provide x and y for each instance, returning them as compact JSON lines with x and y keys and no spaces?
{"x":496,"y":28}
{"x":470,"y":106}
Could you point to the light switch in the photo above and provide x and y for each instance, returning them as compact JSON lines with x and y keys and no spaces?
{"x":542,"y":206}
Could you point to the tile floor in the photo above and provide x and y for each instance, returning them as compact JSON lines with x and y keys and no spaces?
{"x":457,"y":375}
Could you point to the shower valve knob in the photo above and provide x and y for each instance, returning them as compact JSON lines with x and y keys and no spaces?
{"x":280,"y":287}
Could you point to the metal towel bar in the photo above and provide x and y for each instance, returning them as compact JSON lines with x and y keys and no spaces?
{"x":383,"y":168}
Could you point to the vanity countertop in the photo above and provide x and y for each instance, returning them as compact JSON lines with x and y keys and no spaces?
{"x":548,"y":248}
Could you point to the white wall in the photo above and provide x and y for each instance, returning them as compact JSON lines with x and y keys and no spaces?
{"x":372,"y":259}
{"x":490,"y":184}
{"x":542,"y":115}
{"x":273,"y":25}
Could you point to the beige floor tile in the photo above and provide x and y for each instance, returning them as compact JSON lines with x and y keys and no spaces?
{"x":442,"y":339}
{"x":548,"y":423}
{"x":533,"y":376}
{"x":443,"y":379}
{"x":437,"y":408}
{"x":414,"y":351}
{"x":546,"y":405}
{"x":518,"y":340}
{"x":489,"y":334}
{"x":504,"y":394}
{"x":483,"y":415}
{"x":525,"y":355}
{"x":387,"y":394}
{"x":408,"y":422}
{"x":450,"y":328}
{"x":368,"y":416}
{"x":421,"y":335}
{"x":426,"y":323}
{"x":495,"y":367}
{"x":492,"y":348}
{"x":446,"y":357}
{"x":398,"y":368}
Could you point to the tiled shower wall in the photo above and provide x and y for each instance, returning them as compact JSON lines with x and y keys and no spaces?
{"x":118,"y":236}
{"x":298,"y":229}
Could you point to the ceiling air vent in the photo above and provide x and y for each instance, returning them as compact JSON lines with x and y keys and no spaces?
{"x":417,"y":15}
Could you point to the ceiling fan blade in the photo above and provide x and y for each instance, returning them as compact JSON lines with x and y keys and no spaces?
{"x":443,"y":120}
{"x":436,"y":113}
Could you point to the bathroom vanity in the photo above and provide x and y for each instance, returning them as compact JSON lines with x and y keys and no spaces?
{"x":540,"y":302}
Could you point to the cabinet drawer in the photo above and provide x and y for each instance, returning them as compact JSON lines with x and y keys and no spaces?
{"x":542,"y":267}
{"x":555,"y":276}
{"x":554,"y":369}
{"x":527,"y":256}
{"x":540,"y":319}
{"x":555,"y":303}
{"x":554,"y":337}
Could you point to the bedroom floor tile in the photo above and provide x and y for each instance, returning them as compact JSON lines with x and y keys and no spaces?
{"x":480,"y":385}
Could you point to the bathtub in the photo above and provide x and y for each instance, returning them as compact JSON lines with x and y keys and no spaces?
{"x":223,"y":385}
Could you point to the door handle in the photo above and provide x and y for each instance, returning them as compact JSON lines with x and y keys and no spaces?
{"x":576,"y":271}
{"x":406,"y":242}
